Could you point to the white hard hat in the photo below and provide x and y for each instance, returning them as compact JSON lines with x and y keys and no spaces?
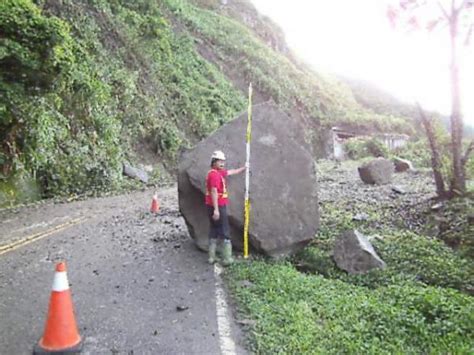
{"x":219,"y":155}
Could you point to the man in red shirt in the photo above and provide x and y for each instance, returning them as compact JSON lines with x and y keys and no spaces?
{"x":216,"y":201}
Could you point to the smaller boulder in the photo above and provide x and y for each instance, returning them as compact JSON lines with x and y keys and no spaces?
{"x":378,"y":171}
{"x":398,"y":189}
{"x":402,"y":165}
{"x":359,"y":217}
{"x":354,"y":253}
{"x":135,"y":173}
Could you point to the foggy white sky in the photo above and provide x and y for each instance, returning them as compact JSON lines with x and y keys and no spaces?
{"x":354,"y":38}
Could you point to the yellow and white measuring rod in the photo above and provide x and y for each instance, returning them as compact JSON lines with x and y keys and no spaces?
{"x":247,"y":177}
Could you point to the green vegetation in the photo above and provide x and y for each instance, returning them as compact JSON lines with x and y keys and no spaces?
{"x":82,"y":90}
{"x":86,"y":84}
{"x":322,"y":98}
{"x":18,"y":189}
{"x":307,"y":314}
{"x":362,"y":147}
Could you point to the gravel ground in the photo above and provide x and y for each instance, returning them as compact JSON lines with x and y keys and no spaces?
{"x":402,"y":203}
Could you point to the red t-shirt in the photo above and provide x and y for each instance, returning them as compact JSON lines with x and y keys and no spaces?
{"x":216,"y":178}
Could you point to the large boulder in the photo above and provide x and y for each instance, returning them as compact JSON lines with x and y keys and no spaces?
{"x":378,"y":171}
{"x":354,"y":253}
{"x":402,"y":165}
{"x":283,"y":187}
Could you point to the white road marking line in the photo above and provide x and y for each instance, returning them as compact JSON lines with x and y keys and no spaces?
{"x":223,"y":323}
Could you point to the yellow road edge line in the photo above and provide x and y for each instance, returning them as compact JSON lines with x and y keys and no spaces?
{"x":32,"y":238}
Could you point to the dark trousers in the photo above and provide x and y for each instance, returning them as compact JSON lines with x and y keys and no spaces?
{"x":219,"y":228}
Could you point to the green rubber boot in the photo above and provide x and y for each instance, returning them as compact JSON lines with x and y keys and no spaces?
{"x":212,"y":251}
{"x":227,"y":253}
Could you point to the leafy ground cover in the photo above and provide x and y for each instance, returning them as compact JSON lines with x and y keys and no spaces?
{"x":295,"y":313}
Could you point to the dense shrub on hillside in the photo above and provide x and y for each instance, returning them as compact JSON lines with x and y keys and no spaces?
{"x":53,"y":117}
{"x":362,"y":147}
{"x":79,"y":93}
{"x":315,"y":95}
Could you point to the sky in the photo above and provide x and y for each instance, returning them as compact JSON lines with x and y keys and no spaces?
{"x":354,"y":38}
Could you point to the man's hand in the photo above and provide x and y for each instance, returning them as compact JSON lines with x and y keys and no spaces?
{"x":216,"y":214}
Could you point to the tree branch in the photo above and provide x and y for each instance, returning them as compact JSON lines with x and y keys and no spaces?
{"x":443,"y":10}
{"x":467,"y":41}
{"x":464,"y":3}
{"x":467,"y":153}
{"x":435,"y":158}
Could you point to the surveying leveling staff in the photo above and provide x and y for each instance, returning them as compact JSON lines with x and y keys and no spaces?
{"x":216,"y":201}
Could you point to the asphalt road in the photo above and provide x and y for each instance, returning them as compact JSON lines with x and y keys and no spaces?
{"x":129,"y":272}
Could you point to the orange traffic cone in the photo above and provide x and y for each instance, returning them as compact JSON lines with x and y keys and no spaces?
{"x":155,"y":206}
{"x":60,"y":334}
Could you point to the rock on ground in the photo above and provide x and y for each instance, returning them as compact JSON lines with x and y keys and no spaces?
{"x":378,"y":171}
{"x":354,"y":253}
{"x":135,"y":173}
{"x":283,"y":185}
{"x":402,"y":165}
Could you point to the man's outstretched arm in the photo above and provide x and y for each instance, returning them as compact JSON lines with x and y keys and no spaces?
{"x":235,"y":171}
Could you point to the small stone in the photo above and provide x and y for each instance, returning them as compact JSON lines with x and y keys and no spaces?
{"x":181,"y":308}
{"x":398,"y":190}
{"x":360,"y":217}
{"x":249,"y":322}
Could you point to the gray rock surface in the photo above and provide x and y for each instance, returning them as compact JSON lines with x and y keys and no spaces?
{"x":135,"y":173}
{"x":378,"y":171}
{"x":360,"y":217}
{"x":399,"y":190}
{"x":354,"y":253}
{"x":402,"y":165}
{"x":283,"y":186}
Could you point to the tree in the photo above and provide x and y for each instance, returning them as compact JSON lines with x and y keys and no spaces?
{"x":457,"y":18}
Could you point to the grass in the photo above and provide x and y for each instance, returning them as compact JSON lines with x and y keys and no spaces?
{"x":297,"y":313}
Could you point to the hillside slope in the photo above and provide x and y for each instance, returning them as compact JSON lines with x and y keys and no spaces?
{"x":87,"y":85}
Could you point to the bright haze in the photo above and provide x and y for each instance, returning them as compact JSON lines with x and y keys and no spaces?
{"x":355,"y":39}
